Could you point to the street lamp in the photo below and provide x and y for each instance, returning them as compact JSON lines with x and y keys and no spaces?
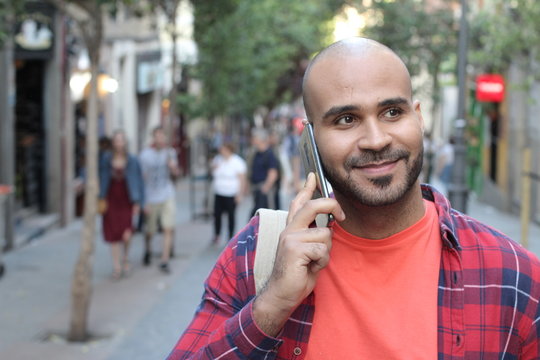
{"x":80,"y":85}
{"x":458,"y":192}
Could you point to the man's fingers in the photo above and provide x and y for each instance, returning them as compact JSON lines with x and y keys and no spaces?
{"x":314,"y":255}
{"x":303,"y":196}
{"x":318,"y":255}
{"x":322,"y":235}
{"x":305,"y":216}
{"x":310,"y":208}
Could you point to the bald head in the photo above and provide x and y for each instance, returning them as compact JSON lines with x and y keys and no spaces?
{"x":365,"y":52}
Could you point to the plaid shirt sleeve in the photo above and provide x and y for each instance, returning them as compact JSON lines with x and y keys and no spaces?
{"x":531,"y":343}
{"x":223,"y":326}
{"x":489,"y":291}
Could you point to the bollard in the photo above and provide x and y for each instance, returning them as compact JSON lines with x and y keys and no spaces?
{"x":525,"y":212}
{"x":458,"y":190}
{"x":5,"y":190}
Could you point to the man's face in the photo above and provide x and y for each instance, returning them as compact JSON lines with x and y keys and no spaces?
{"x":259,"y":143}
{"x":160,"y":140}
{"x":368,"y":130}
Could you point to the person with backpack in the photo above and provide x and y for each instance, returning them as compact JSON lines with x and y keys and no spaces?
{"x":399,"y":274}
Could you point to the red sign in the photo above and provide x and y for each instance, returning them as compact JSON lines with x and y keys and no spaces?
{"x":490,"y":88}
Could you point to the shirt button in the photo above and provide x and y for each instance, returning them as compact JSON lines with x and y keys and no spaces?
{"x":297,"y":351}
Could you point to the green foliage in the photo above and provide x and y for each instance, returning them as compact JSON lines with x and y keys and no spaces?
{"x":9,"y":9}
{"x":249,"y":51}
{"x":424,"y":39}
{"x":505,"y":32}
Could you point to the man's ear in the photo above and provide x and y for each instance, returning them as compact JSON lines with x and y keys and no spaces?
{"x":418,"y":111}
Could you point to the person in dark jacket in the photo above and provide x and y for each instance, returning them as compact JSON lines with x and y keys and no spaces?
{"x":264,"y":172}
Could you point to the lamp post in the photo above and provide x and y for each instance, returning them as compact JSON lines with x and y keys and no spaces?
{"x":458,"y":191}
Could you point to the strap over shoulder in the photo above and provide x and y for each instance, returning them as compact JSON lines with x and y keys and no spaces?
{"x":271,"y":224}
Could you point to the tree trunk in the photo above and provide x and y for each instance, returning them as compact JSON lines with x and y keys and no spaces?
{"x":81,"y":286}
{"x":174,"y":70}
{"x":7,"y":139}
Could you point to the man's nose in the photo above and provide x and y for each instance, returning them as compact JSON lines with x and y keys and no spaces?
{"x":374,"y":135}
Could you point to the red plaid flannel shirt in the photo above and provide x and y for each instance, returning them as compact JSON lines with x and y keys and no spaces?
{"x":489,"y":288}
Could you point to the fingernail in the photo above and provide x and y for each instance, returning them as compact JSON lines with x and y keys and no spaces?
{"x":308,"y":177}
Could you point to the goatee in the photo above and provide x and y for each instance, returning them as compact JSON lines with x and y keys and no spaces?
{"x":382,"y":193}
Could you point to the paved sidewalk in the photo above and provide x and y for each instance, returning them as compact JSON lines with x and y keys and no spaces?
{"x":509,"y":224}
{"x":137,"y":318}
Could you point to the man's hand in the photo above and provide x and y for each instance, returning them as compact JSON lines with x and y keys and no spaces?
{"x":302,"y":252}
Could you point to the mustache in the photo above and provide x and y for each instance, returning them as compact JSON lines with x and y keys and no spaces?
{"x":369,"y":157}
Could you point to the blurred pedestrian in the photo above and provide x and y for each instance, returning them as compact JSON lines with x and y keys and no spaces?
{"x":121,"y":195}
{"x":159,"y":165}
{"x":445,"y":162}
{"x":264,"y":171}
{"x":229,"y":184}
{"x":275,"y":145}
{"x":292,"y":153}
{"x":427,"y":168}
{"x":104,"y":146}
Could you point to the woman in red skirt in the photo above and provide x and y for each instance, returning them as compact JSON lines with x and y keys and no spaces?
{"x":122,"y":192}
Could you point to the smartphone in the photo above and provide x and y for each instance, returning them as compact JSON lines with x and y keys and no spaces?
{"x":312,"y":163}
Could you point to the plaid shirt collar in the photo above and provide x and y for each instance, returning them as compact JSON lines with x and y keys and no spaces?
{"x":449,"y":233}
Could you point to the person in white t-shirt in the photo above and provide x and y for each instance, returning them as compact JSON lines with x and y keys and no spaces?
{"x":159,"y":165}
{"x":229,"y":185}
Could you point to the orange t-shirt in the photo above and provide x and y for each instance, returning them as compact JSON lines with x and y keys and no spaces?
{"x":377,"y":299}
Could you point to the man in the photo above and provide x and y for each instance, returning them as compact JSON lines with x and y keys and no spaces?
{"x":159,"y":165}
{"x":264,"y":173}
{"x":399,"y":275}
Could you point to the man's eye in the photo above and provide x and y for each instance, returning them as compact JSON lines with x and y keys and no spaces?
{"x":392,"y":113}
{"x":345,"y":120}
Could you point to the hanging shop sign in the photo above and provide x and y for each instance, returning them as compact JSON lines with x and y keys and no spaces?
{"x":34,"y":32}
{"x":149,"y":72}
{"x":490,"y":88}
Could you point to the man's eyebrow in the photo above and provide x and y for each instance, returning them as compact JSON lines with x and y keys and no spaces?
{"x":336,"y":110}
{"x":393,"y":101}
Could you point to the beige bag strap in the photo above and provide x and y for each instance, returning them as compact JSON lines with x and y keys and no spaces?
{"x":271,"y":224}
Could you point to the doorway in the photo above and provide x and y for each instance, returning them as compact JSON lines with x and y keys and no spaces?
{"x":30,"y":181}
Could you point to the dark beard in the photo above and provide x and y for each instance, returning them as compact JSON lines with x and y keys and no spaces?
{"x":350,"y":190}
{"x":383,"y":181}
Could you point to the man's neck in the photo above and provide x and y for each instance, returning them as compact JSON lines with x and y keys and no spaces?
{"x":383,"y":221}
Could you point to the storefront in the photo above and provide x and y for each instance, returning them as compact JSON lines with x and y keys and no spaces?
{"x":34,"y":44}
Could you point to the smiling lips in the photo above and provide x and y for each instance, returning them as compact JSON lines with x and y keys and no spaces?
{"x":380,"y":168}
{"x":375,"y":164}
